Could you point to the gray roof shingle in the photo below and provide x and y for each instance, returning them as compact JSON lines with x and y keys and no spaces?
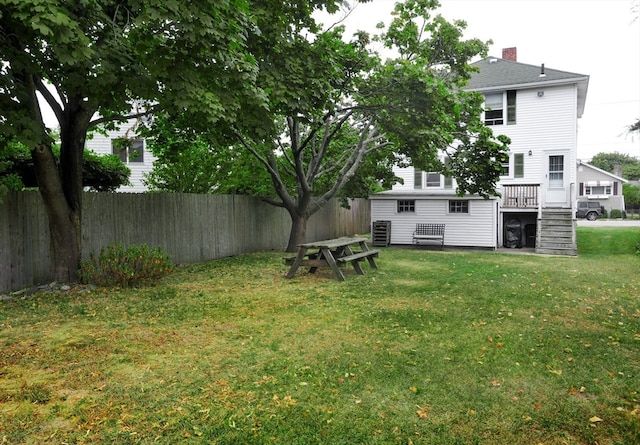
{"x":501,"y":74}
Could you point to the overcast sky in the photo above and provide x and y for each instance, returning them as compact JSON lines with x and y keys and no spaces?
{"x":598,"y":38}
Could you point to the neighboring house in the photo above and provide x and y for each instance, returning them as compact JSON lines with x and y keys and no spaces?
{"x":134,"y":154}
{"x":538,"y":109}
{"x":599,"y":185}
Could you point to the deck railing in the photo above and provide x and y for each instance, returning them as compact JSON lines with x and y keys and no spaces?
{"x":521,"y":196}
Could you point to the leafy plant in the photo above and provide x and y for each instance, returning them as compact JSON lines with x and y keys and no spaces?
{"x":615,"y":213}
{"x":124,"y":266}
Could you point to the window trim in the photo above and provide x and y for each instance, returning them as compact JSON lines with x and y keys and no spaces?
{"x":406,"y":206}
{"x":131,"y":151}
{"x":458,"y":207}
{"x":556,"y":177}
{"x":492,"y":114}
{"x":506,"y":167}
{"x":431,"y":183}
{"x":518,"y":165}
{"x":503,"y":113}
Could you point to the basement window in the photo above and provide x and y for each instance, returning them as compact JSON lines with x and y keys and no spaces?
{"x":406,"y":205}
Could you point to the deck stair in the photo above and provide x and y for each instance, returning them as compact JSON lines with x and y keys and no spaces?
{"x":556,"y":233}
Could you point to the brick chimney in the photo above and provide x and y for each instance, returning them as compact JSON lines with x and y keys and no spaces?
{"x":510,"y":54}
{"x":617,"y":170}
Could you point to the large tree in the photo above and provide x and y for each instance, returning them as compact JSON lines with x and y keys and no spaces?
{"x":627,"y":164}
{"x":339,"y":116}
{"x":90,"y":60}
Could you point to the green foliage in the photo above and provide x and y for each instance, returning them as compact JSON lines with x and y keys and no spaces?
{"x":608,"y":161}
{"x":631,"y":195}
{"x":102,"y":173}
{"x":125,"y":266}
{"x":102,"y":56}
{"x":615,"y":213}
{"x":192,"y":162}
{"x":631,"y":172}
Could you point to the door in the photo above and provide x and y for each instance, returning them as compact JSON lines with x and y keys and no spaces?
{"x":557,"y":190}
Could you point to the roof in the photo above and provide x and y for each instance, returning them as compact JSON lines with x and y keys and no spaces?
{"x":500,"y":74}
{"x":422,"y":194}
{"x":604,"y":172}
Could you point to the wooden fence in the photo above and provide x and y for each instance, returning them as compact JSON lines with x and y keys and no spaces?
{"x":190,"y":228}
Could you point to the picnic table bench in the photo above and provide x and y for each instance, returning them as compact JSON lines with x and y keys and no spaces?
{"x":330,"y":253}
{"x":429,"y":232}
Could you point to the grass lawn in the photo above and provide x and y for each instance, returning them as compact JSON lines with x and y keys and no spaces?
{"x":434,"y":347}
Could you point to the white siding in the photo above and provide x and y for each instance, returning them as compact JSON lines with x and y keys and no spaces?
{"x":546,"y":123}
{"x":407,"y":175}
{"x":543,"y":123}
{"x":478,"y":228}
{"x":102,"y":145}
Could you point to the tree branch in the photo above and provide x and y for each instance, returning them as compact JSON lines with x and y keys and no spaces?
{"x":49,"y":98}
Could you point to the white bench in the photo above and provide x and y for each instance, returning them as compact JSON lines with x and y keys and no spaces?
{"x":429,"y":232}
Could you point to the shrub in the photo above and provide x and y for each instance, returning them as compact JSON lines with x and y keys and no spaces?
{"x":120,"y":266}
{"x":615,"y":213}
{"x":605,"y":213}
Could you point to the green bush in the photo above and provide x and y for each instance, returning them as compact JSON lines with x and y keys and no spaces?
{"x":605,"y":214}
{"x":615,"y":213}
{"x":125,"y":266}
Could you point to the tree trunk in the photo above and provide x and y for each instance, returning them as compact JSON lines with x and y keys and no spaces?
{"x":61,"y":190}
{"x":298,"y":231}
{"x":64,"y":222}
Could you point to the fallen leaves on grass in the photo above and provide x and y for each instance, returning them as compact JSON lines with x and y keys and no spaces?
{"x":423,"y":411}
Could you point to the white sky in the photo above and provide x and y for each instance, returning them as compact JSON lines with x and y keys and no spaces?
{"x":598,"y":38}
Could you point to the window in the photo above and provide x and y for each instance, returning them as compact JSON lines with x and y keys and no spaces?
{"x":511,"y":107}
{"x":556,"y":171}
{"x":433,"y":179}
{"x":505,"y":167}
{"x":597,"y":190}
{"x":518,"y":165}
{"x":459,"y":206}
{"x":129,"y":150}
{"x":417,"y":179}
{"x":493,"y":109}
{"x":406,"y":205}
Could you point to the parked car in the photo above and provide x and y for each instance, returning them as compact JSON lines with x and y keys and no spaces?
{"x":591,"y":210}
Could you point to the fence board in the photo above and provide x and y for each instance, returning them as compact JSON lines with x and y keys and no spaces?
{"x":190,"y":228}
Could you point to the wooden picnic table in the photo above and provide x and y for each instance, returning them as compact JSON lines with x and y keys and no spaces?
{"x":331,"y":252}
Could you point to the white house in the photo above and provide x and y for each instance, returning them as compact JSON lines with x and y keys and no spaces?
{"x":538,"y":109}
{"x":137,"y":157}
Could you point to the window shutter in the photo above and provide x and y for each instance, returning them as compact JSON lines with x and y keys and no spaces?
{"x":511,"y":106}
{"x":417,"y":178}
{"x":615,"y":188}
{"x":581,"y":193}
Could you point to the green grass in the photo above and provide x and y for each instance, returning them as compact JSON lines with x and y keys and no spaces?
{"x":434,"y":347}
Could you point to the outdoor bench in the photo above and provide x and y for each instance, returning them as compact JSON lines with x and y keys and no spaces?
{"x":429,"y":232}
{"x":310,"y":255}
{"x":359,"y":256}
